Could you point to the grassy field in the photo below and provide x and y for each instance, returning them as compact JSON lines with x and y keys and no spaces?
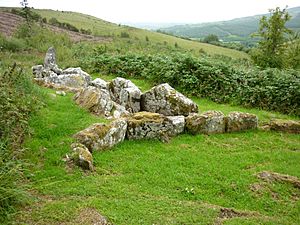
{"x":136,"y":36}
{"x":186,"y":181}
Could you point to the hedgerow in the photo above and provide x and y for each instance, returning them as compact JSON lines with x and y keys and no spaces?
{"x":220,"y":81}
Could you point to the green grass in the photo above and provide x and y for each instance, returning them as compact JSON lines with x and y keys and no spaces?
{"x":137,"y":37}
{"x":146,"y":182}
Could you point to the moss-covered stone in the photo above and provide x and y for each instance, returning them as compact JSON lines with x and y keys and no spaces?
{"x":289,"y":126}
{"x":238,"y":121}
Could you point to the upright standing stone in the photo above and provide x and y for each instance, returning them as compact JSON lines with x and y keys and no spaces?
{"x":50,"y":61}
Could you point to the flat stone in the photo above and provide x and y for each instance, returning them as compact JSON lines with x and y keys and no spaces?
{"x":147,"y":125}
{"x":210,"y":122}
{"x":289,"y":126}
{"x":238,"y":121}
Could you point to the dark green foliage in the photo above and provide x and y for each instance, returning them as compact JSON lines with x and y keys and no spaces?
{"x":27,"y":14}
{"x":211,"y":38}
{"x":11,"y":44}
{"x":216,"y":79}
{"x":67,"y":26}
{"x":84,"y":31}
{"x":124,"y":35}
{"x":17,"y":101}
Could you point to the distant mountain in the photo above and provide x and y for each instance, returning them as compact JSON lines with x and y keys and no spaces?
{"x":232,"y":30}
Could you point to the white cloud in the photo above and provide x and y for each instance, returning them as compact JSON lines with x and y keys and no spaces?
{"x":189,"y":11}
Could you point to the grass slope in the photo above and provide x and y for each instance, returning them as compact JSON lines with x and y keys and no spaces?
{"x":185,"y":181}
{"x":136,"y":36}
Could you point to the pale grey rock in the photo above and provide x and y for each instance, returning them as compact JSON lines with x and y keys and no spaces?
{"x":99,"y":83}
{"x":101,"y":136}
{"x":81,"y":156}
{"x":147,"y":125}
{"x":61,"y":93}
{"x":96,"y":100}
{"x":119,"y":111}
{"x":50,"y":61}
{"x":210,"y":122}
{"x":178,"y":125}
{"x":125,"y":93}
{"x":37,"y":71}
{"x":166,"y":100}
{"x":238,"y":121}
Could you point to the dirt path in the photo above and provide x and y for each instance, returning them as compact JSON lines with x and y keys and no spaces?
{"x":9,"y":23}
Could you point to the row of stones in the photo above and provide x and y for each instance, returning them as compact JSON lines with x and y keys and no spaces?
{"x":147,"y":125}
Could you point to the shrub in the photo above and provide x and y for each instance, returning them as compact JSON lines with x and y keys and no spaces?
{"x":11,"y":44}
{"x":17,"y":101}
{"x":124,"y":35}
{"x":214,"y":78}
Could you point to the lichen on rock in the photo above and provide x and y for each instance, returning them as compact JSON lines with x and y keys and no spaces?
{"x":238,"y":121}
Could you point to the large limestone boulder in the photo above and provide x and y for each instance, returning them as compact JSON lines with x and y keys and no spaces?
{"x":126,"y":94}
{"x":101,"y":136}
{"x":238,"y":121}
{"x":210,"y":122}
{"x":81,"y":156}
{"x":289,"y":126}
{"x":96,"y":100}
{"x":147,"y":125}
{"x":166,"y":100}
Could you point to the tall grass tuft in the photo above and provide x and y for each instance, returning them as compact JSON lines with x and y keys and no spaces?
{"x":18,"y":100}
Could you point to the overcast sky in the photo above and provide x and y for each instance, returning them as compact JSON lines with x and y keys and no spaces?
{"x":161,"y":11}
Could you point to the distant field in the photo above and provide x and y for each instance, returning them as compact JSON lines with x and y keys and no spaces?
{"x":103,"y":28}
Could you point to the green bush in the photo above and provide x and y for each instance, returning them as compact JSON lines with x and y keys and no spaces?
{"x":18,"y":100}
{"x":11,"y":44}
{"x":214,"y":78}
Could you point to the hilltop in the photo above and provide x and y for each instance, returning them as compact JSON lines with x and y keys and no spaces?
{"x":232,"y":30}
{"x":129,"y":38}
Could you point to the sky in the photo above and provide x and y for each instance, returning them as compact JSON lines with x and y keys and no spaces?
{"x":161,"y":11}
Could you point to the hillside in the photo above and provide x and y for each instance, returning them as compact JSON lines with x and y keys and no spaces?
{"x":135,"y":38}
{"x":233,"y":30}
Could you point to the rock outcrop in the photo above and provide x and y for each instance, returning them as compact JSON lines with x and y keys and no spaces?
{"x":166,"y":100}
{"x":238,"y":121}
{"x":210,"y":122}
{"x":81,"y":156}
{"x":147,"y":125}
{"x":126,"y":94}
{"x":50,"y":75}
{"x":101,"y":136}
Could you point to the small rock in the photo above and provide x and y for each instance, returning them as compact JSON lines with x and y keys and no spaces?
{"x":61,"y":93}
{"x":238,"y":121}
{"x":210,"y":122}
{"x":101,"y":136}
{"x":81,"y":156}
{"x":166,"y":100}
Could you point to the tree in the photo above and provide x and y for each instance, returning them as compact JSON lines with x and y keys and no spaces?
{"x":273,"y":34}
{"x":211,"y":38}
